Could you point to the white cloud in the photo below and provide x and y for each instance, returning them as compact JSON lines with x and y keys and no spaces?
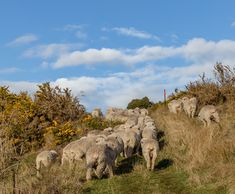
{"x":70,"y":27}
{"x":22,"y":40}
{"x":50,"y":50}
{"x":9,"y":70}
{"x":81,"y":35}
{"x":195,"y":51}
{"x":120,"y":88}
{"x":233,"y":24}
{"x":134,"y":33}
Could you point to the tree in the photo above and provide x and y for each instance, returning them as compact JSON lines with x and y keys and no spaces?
{"x":140,"y":103}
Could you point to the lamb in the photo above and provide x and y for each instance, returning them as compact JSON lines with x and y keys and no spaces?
{"x":150,"y":149}
{"x":175,"y":106}
{"x":207,"y":114}
{"x":189,"y":106}
{"x":99,"y":157}
{"x":45,"y":158}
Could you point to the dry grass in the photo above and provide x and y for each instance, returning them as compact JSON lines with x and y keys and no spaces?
{"x":59,"y":180}
{"x":206,"y":153}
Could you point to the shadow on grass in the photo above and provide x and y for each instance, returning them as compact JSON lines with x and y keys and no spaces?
{"x":126,"y":165}
{"x":161,"y":139}
{"x":163,"y":164}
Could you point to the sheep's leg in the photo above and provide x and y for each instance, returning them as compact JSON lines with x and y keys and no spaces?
{"x":38,"y":167}
{"x":110,"y":168}
{"x":100,"y":170}
{"x":153,"y":159}
{"x":89,"y":173}
{"x":147,"y":159}
{"x":208,"y":122}
{"x":204,"y":123}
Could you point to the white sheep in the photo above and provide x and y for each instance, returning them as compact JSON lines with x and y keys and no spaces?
{"x":143,"y":112}
{"x":175,"y":106}
{"x":189,"y":106}
{"x":99,"y":157}
{"x":149,"y":133}
{"x":96,"y":113}
{"x":207,"y":114}
{"x":76,"y":150}
{"x":150,"y":149}
{"x":45,"y":158}
{"x":131,"y":141}
{"x":93,"y":133}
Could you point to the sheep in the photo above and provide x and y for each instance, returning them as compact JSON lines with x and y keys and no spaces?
{"x":45,"y":158}
{"x":76,"y":150}
{"x":93,"y":133}
{"x":149,"y":133}
{"x":132,"y":121}
{"x":115,"y":142}
{"x":149,"y":124}
{"x":141,"y":121}
{"x":175,"y":106}
{"x":109,"y":130}
{"x":150,"y":149}
{"x":116,"y":114}
{"x":207,"y":114}
{"x":131,"y":141}
{"x":96,"y":113}
{"x":143,"y":112}
{"x":99,"y":157}
{"x":189,"y":106}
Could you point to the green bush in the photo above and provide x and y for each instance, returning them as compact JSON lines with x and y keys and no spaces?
{"x":140,"y":103}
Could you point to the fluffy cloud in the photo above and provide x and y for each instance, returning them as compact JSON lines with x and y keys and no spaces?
{"x":135,"y":33}
{"x":195,"y":51}
{"x":9,"y":70}
{"x":22,"y":40}
{"x":120,"y":88}
{"x":50,"y":50}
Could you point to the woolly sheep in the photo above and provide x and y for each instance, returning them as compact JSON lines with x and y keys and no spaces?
{"x":143,"y":111}
{"x":150,"y":149}
{"x":93,"y":133}
{"x":149,"y":133}
{"x":76,"y":150}
{"x":115,"y":142}
{"x":175,"y":106}
{"x":189,"y":106}
{"x":45,"y":158}
{"x":131,"y":141}
{"x":207,"y":114}
{"x":99,"y":157}
{"x":96,"y":113}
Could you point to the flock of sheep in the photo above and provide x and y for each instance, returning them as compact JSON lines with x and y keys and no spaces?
{"x":100,"y":148}
{"x":138,"y":134}
{"x":207,"y":114}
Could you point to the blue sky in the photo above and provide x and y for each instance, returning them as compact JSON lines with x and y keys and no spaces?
{"x":113,"y":51}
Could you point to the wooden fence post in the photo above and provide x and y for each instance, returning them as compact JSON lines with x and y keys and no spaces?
{"x":13,"y":181}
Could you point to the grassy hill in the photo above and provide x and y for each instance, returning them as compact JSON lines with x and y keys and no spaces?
{"x":193,"y":159}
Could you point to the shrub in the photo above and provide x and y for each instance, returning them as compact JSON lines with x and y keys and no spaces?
{"x":57,"y":104}
{"x":140,"y":103}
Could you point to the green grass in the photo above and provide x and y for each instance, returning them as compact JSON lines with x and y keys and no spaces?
{"x":134,"y":178}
